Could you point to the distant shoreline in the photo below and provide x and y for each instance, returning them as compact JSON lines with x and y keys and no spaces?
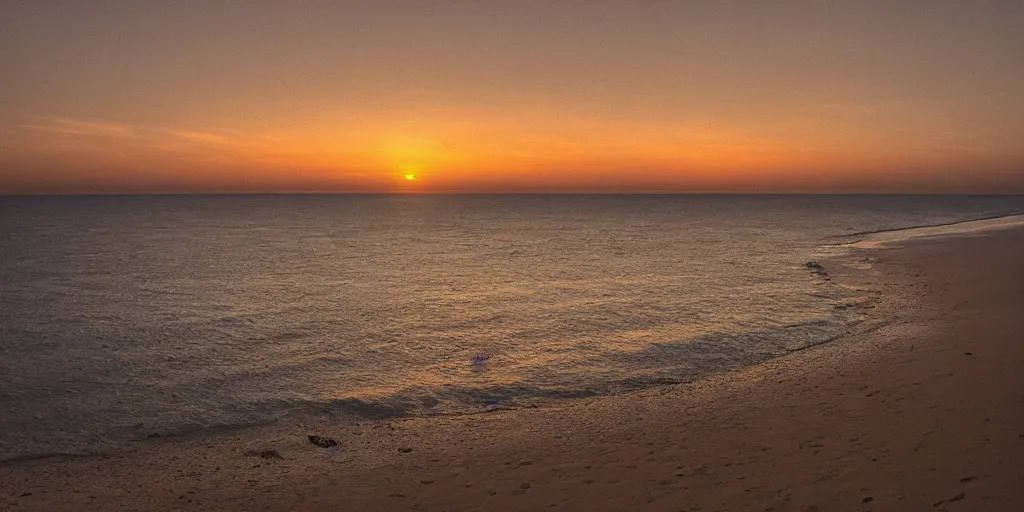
{"x":943,"y":224}
{"x":883,"y":237}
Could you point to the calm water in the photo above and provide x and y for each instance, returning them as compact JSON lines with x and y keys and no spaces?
{"x":126,"y":316}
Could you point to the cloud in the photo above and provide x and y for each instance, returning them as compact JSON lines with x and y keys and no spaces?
{"x":63,"y":132}
{"x":143,"y":134}
{"x":85,"y":128}
{"x":200,"y":137}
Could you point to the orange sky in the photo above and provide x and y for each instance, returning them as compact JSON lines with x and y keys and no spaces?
{"x":511,"y":97}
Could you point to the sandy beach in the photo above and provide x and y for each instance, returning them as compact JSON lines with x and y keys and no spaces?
{"x":921,"y":407}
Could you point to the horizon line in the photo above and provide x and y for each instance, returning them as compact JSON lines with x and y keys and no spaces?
{"x":511,"y":193}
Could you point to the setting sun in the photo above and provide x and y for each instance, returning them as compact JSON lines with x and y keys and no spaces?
{"x":410,"y":177}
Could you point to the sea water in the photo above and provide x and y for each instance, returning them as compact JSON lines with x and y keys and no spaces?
{"x":123,"y":317}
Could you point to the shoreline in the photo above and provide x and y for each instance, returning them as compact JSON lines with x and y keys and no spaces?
{"x":939,"y":225}
{"x":881,"y":238}
{"x":718,"y":441}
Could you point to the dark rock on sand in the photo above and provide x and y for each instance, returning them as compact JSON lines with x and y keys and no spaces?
{"x":816,"y":268}
{"x":322,"y":442}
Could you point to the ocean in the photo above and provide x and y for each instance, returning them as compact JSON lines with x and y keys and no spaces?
{"x":128,"y":317}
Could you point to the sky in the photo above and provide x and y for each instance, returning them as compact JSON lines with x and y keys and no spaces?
{"x":511,"y":96}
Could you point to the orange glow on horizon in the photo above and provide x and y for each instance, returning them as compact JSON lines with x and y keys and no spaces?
{"x":590,"y":157}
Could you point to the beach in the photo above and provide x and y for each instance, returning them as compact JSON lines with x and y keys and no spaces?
{"x":920,"y":407}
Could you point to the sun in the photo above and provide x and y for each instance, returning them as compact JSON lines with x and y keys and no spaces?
{"x":410,"y":177}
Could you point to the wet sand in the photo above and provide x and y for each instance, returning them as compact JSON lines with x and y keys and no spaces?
{"x":921,"y":408}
